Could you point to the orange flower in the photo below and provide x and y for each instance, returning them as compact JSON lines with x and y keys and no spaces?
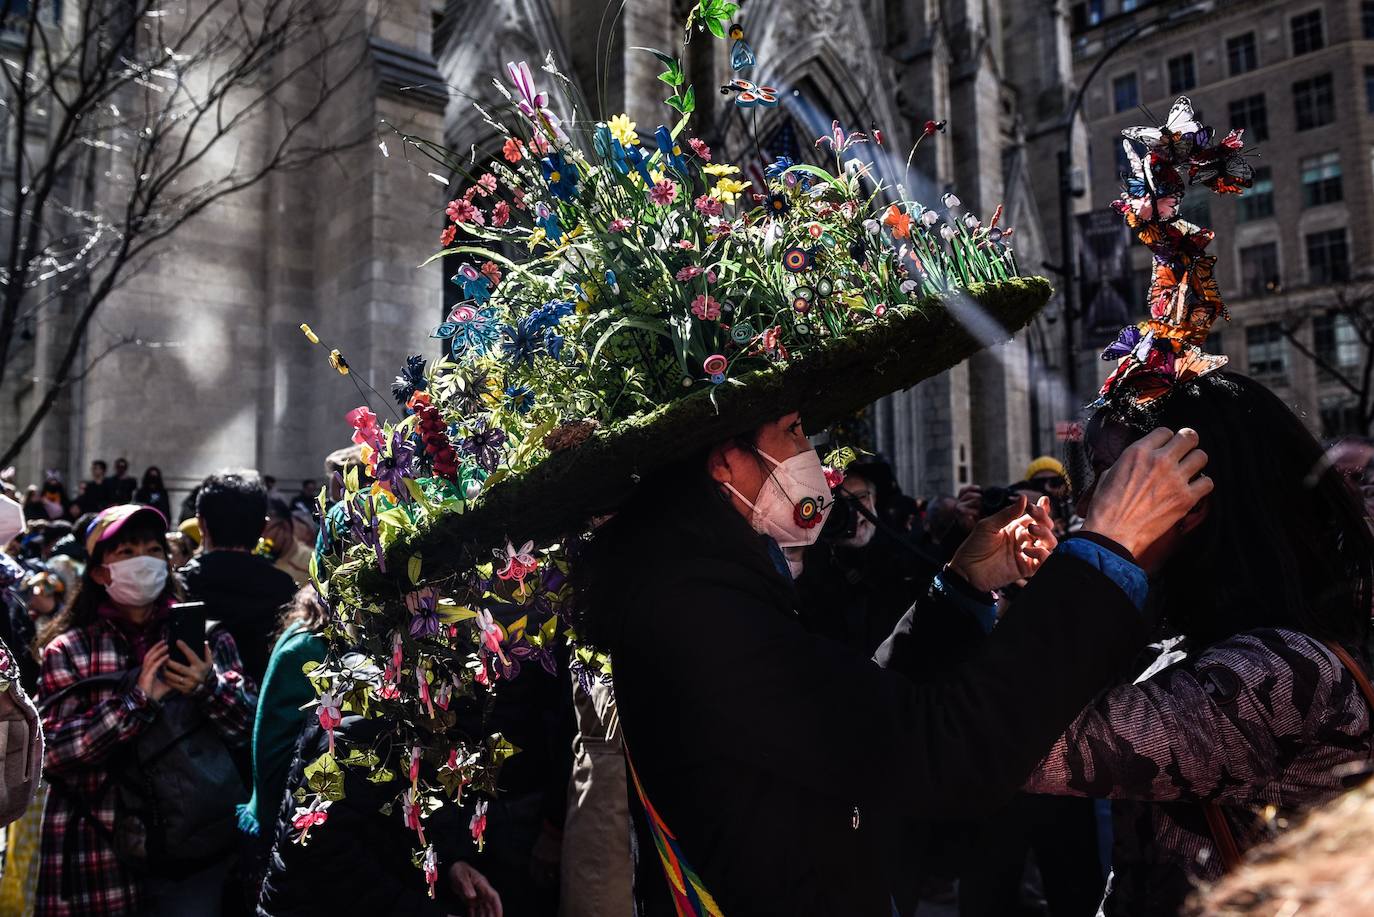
{"x":513,"y":150}
{"x":899,"y":221}
{"x":448,"y":235}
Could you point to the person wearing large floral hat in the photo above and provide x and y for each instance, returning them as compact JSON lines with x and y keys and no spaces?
{"x":655,"y":357}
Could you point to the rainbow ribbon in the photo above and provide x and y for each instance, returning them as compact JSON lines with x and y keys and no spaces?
{"x":690,"y":897}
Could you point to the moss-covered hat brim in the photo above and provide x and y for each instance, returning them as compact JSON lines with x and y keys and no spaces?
{"x":884,"y":356}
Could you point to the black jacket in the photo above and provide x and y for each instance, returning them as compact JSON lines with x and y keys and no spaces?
{"x":245,"y":593}
{"x":782,"y":761}
{"x":359,"y":860}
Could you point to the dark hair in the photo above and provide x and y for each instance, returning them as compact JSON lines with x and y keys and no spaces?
{"x":101,"y":463}
{"x":234,"y":507}
{"x":152,"y":478}
{"x":305,"y":606}
{"x":1286,"y":542}
{"x":90,"y":595}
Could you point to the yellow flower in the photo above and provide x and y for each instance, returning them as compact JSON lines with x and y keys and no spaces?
{"x":623,"y":129}
{"x":727,"y":189}
{"x":720,"y":168}
{"x":536,"y":237}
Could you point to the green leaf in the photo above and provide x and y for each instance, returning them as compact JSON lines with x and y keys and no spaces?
{"x":717,"y":27}
{"x":324,"y":777}
{"x":629,"y":321}
{"x":673,"y":77}
{"x":664,"y":57}
{"x":413,"y":568}
{"x":689,"y":101}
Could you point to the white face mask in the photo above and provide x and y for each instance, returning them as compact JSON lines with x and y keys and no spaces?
{"x":11,"y":521}
{"x":137,"y":581}
{"x":792,"y":505}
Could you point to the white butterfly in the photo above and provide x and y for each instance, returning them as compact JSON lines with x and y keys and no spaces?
{"x":1178,"y":136}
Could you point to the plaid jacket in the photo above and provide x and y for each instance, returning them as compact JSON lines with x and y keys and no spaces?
{"x":1264,"y":720}
{"x":80,"y":875}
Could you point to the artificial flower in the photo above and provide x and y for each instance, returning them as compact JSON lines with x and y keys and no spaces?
{"x":690,"y":272}
{"x":623,"y":129}
{"x":700,"y":148}
{"x":500,"y":214}
{"x":534,"y":104}
{"x":671,"y":152}
{"x":487,"y":184}
{"x":950,"y":200}
{"x":492,"y":271}
{"x":474,"y":329}
{"x":708,"y":206}
{"x":464,"y":211}
{"x":620,"y":224}
{"x":929,"y":219}
{"x":513,"y":150}
{"x":636,"y":157}
{"x":839,"y":141}
{"x":898,"y":221}
{"x":484,"y":444}
{"x":777,"y":204}
{"x":706,"y":308}
{"x":411,"y":380}
{"x":727,"y":190}
{"x":424,"y":612}
{"x":778,"y":166}
{"x":561,"y":176}
{"x":396,"y":465}
{"x":476,"y":286}
{"x":547,"y":219}
{"x":720,"y":168}
{"x":663,"y":193}
{"x":520,"y":398}
{"x":364,"y":424}
{"x":448,"y":235}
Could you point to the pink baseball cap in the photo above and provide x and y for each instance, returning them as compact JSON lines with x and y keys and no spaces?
{"x":113,"y":518}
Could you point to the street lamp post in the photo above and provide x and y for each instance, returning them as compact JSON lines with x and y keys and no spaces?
{"x":1068,"y":254}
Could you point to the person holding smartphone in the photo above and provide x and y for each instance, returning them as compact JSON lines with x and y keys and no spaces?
{"x":114,"y":698}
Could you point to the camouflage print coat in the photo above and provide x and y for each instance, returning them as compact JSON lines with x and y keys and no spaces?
{"x":1265,"y":723}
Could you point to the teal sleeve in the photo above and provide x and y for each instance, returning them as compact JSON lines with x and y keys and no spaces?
{"x":284,"y":690}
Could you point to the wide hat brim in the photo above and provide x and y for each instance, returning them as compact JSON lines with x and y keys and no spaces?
{"x":561,"y":493}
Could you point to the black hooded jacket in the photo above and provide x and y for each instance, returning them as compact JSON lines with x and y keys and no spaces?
{"x":245,"y":593}
{"x":780,"y":760}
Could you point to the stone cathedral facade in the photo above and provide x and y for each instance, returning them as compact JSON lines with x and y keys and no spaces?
{"x":222,"y":377}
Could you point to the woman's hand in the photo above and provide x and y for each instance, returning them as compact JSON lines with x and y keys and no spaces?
{"x":1157,"y":480}
{"x":481,"y":898}
{"x":1006,"y":547}
{"x":149,"y":681}
{"x":187,"y":677}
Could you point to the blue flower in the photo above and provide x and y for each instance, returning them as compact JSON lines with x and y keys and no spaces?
{"x":521,"y":342}
{"x":778,"y":166}
{"x":553,"y":344}
{"x":610,"y":149}
{"x":520,"y":397}
{"x":547,"y":220}
{"x":561,"y":176}
{"x":672,"y":153}
{"x":612,"y":282}
{"x":549,"y":314}
{"x":636,"y":157}
{"x":476,"y":285}
{"x":472,"y":328}
{"x":411,"y":380}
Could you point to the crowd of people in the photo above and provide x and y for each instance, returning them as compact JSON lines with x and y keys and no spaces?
{"x":173,"y":765}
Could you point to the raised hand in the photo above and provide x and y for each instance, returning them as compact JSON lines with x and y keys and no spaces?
{"x":1153,"y":485}
{"x":187,"y":677}
{"x":150,"y":675}
{"x":1006,"y":547}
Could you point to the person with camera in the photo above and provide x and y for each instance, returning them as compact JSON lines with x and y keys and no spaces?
{"x":140,"y":819}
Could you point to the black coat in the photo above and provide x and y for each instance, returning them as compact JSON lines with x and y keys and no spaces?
{"x":245,"y":593}
{"x":359,"y":860}
{"x":782,"y":761}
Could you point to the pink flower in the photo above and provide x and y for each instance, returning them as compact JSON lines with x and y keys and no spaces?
{"x":448,"y":235}
{"x":541,"y":146}
{"x":834,"y":477}
{"x":688,"y":273}
{"x":487,"y":183}
{"x":492,"y":271}
{"x":686,"y":245}
{"x":706,"y":308}
{"x":709,"y":206}
{"x":700,"y":148}
{"x":464,"y":211}
{"x":620,"y":224}
{"x":710,"y":276}
{"x":364,"y":424}
{"x":519,"y":197}
{"x":478,"y":824}
{"x":663,"y":193}
{"x":500,"y":214}
{"x":513,"y":150}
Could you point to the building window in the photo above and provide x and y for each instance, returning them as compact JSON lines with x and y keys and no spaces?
{"x":1306,"y":30}
{"x":1257,"y":201}
{"x":1367,"y":18}
{"x":1125,"y":92}
{"x":1241,"y":54}
{"x":1267,"y":352}
{"x":1259,"y":269}
{"x":1336,"y":341}
{"x":1328,"y":258}
{"x":1321,"y":179}
{"x":1250,"y":113}
{"x":1182,"y":76}
{"x":1340,"y":417}
{"x":1314,"y":102}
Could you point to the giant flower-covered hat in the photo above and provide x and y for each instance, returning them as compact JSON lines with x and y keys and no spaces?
{"x":627,"y":298}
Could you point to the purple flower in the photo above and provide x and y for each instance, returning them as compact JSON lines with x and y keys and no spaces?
{"x":484,"y":444}
{"x":424,"y":611}
{"x":397,"y":465}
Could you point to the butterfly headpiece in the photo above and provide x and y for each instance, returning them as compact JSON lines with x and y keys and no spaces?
{"x":1184,"y":300}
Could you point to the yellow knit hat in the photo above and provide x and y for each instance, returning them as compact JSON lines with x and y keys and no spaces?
{"x":191,"y":529}
{"x":1046,"y":463}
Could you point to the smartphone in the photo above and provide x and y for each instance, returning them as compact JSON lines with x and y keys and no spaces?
{"x":186,"y":623}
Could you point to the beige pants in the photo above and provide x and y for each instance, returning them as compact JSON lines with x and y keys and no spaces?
{"x":596,"y":870}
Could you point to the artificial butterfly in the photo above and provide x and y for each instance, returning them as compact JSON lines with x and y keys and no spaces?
{"x":1177,"y":138}
{"x":748,"y":95}
{"x":1193,"y":363}
{"x":1131,"y":340}
{"x":1225,"y":169}
{"x":741,"y":54}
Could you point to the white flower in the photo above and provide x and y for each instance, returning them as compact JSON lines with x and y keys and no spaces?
{"x":971,"y":221}
{"x":947,"y":232}
{"x":950,"y":200}
{"x":929,"y":219}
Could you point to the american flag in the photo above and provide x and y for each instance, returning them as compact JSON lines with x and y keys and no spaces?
{"x":782,"y":142}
